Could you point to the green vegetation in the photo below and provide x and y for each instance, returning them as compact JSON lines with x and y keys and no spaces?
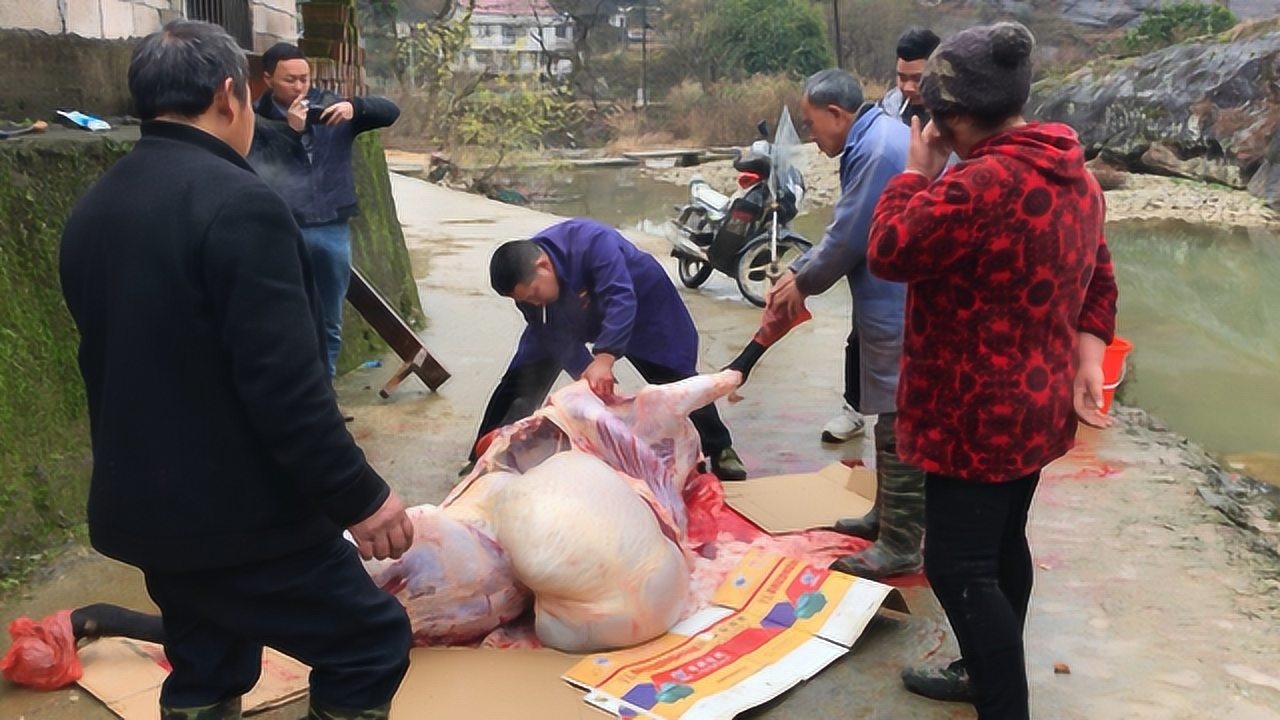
{"x":769,"y":36}
{"x":1169,"y":24}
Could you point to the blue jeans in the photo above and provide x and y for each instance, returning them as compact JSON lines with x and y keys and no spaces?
{"x":330,"y":247}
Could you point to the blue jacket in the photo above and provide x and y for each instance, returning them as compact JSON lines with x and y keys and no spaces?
{"x":874,"y":152}
{"x":612,"y":295}
{"x":311,"y":170}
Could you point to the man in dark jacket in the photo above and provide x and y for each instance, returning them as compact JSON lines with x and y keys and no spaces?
{"x":582,"y":282}
{"x":222,"y":468}
{"x":303,"y":151}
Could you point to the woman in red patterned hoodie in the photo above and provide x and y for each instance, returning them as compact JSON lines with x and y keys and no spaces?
{"x":1011,"y":303}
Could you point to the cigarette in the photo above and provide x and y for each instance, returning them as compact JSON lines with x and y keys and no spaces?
{"x":904,"y":105}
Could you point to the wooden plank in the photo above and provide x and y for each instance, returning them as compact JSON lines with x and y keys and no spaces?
{"x":396,"y":332}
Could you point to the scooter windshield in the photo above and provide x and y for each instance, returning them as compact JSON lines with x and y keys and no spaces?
{"x":786,"y":156}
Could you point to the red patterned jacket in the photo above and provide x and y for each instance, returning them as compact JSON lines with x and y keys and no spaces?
{"x":1005,"y":261}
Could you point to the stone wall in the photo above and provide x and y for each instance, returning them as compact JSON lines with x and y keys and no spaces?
{"x":273,"y":20}
{"x":44,"y":456}
{"x":41,"y":73}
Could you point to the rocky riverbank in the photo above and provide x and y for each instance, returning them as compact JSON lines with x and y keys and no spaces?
{"x":1139,"y":197}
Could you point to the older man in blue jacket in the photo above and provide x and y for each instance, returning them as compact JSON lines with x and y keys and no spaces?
{"x":582,"y":282}
{"x":872,"y":146}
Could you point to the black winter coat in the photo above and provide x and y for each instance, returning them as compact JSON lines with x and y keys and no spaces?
{"x":312,"y":170}
{"x":217,"y":439}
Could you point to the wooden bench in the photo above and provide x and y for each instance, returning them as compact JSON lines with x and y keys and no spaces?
{"x":396,"y":332}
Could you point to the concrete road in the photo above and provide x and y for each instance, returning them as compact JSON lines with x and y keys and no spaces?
{"x":1158,"y":607}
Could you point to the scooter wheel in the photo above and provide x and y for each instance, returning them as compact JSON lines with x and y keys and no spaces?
{"x":757,"y":267}
{"x":692,"y":272}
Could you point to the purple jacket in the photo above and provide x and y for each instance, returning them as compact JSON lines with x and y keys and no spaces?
{"x":612,"y":295}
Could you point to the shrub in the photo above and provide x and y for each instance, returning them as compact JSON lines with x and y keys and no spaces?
{"x":769,"y":36}
{"x":1169,"y":24}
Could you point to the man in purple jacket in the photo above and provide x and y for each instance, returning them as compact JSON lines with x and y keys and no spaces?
{"x":582,"y":282}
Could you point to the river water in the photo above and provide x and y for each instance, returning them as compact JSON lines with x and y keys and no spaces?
{"x":1200,"y":304}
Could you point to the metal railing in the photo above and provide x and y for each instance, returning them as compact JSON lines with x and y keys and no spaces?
{"x":232,"y":15}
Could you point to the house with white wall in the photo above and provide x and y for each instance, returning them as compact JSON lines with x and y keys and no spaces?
{"x":516,"y":37}
{"x":255,"y":24}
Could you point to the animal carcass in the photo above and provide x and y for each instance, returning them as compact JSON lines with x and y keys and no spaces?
{"x":577,"y":510}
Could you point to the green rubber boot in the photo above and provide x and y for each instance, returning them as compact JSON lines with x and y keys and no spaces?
{"x":866,"y":527}
{"x":228,"y":709}
{"x":900,"y":496}
{"x":323,"y":712}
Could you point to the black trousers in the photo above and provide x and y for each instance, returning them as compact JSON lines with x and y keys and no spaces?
{"x":318,"y":605}
{"x":853,"y":371}
{"x":523,"y":389}
{"x":979,"y":564}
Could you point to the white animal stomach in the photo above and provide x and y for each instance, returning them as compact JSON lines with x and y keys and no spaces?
{"x":603,"y":572}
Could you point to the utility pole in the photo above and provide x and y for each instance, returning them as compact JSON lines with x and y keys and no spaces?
{"x":835,"y":14}
{"x":644,"y":52}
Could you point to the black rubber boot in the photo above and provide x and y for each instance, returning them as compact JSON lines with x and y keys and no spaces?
{"x":948,"y":683}
{"x":900,"y":495}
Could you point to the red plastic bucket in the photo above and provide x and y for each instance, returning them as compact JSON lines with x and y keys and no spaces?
{"x":1113,"y":369}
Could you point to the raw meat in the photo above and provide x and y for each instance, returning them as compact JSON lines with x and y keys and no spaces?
{"x":578,"y":510}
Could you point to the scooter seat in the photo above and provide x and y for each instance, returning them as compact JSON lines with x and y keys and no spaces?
{"x":758,"y":164}
{"x":710,"y":198}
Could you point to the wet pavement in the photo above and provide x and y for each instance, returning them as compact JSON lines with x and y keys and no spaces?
{"x":1159,"y":607}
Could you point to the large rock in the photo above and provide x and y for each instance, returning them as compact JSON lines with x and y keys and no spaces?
{"x":1114,"y":14}
{"x":1104,"y":14}
{"x":1265,"y":183}
{"x":1205,"y":110}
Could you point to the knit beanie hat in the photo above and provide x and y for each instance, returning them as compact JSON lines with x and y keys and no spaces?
{"x":983,"y":71}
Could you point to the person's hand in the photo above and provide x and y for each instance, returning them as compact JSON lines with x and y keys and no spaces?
{"x":784,"y":299}
{"x":928,"y":152}
{"x":1087,"y":396}
{"x":338,"y":113}
{"x":1086,"y":393}
{"x":387,"y":533}
{"x":599,"y":375}
{"x":297,"y":114}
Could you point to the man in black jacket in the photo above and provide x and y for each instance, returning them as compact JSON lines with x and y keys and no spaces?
{"x":303,"y":151}
{"x":222,"y":467}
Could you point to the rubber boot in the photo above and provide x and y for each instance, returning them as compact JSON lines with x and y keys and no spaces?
{"x":324,"y":712}
{"x":900,"y":494}
{"x":228,"y":709}
{"x":866,"y":527}
{"x":948,"y":683}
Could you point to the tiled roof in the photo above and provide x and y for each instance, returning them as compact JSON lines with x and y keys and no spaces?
{"x":523,"y":8}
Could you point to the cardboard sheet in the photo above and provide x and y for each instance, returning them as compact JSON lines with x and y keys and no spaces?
{"x":787,"y":503}
{"x":776,"y":622}
{"x":489,"y":683}
{"x":126,"y":676}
